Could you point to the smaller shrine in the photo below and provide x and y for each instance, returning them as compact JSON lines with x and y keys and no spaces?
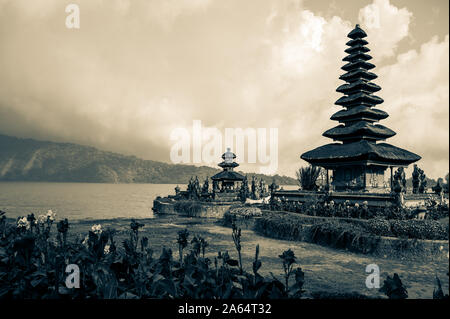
{"x":227,"y":186}
{"x":226,"y":181}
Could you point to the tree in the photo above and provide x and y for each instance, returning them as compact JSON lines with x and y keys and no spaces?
{"x":445,"y":186}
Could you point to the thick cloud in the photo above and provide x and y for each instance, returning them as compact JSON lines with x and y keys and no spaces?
{"x":387,"y":26}
{"x":137,"y":69}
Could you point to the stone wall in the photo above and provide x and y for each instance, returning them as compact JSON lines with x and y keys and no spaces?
{"x":166,"y":206}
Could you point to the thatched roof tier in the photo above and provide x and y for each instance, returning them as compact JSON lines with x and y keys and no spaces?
{"x":359,"y":113}
{"x":357,"y":56}
{"x":358,"y":74}
{"x":356,"y":64}
{"x":358,"y":86}
{"x":360,"y":98}
{"x":357,"y":48}
{"x":381,"y":153}
{"x":228,"y":176}
{"x":227,"y":165}
{"x":357,"y":42}
{"x":359,"y":130}
{"x":357,"y":33}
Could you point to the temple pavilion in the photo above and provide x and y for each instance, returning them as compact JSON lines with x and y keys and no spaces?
{"x":357,"y":160}
{"x":225,"y":180}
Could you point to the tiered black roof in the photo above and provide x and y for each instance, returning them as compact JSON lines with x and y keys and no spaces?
{"x":359,"y":115}
{"x":357,"y":119}
{"x":228,"y":176}
{"x":228,"y":165}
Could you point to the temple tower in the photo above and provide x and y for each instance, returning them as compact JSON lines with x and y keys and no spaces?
{"x":227,"y":178}
{"x":358,"y":162}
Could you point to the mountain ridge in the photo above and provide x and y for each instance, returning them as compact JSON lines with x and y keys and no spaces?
{"x":27,"y":159}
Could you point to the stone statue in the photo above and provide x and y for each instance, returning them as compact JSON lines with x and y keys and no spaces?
{"x":415,"y":179}
{"x":205,"y":188}
{"x":262,"y":188}
{"x":437,"y":189}
{"x":273,"y":187}
{"x":399,"y":182}
{"x":197,"y":186}
{"x":403,"y":179}
{"x":258,"y":189}
{"x":253,"y":188}
{"x":423,"y":181}
{"x":193,"y":188}
{"x":244,"y":191}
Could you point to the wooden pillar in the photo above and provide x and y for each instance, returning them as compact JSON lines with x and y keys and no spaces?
{"x":365,"y":177}
{"x":328,"y":179}
{"x":392,"y":182}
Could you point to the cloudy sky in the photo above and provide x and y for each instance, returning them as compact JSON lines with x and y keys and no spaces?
{"x":136,"y":69}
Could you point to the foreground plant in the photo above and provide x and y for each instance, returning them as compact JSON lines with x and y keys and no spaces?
{"x":438,"y":293}
{"x":394,"y":288}
{"x":33,"y":264}
{"x":236,"y":235}
{"x":182,"y":241}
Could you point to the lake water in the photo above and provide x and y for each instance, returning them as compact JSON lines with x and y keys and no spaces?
{"x":83,"y":200}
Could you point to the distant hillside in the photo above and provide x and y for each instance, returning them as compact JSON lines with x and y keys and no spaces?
{"x":32,"y":160}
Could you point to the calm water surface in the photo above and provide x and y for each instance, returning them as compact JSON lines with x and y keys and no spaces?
{"x":81,"y":200}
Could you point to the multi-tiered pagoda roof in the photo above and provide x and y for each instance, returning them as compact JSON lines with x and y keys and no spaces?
{"x":358,"y":132}
{"x":228,"y":164}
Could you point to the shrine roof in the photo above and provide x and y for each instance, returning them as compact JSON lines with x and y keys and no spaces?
{"x":228,"y":175}
{"x":360,"y":151}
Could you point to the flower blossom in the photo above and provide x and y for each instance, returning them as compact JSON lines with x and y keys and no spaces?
{"x":50,"y":215}
{"x":23,"y":222}
{"x":41,"y":219}
{"x":97,"y":229}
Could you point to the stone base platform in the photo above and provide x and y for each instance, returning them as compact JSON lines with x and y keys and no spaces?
{"x":169,"y":206}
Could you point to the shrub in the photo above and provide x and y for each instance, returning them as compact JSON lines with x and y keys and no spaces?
{"x":394,"y":288}
{"x":437,"y":211}
{"x":345,"y":236}
{"x":281,"y":226}
{"x":378,"y":226}
{"x":420,"y":229}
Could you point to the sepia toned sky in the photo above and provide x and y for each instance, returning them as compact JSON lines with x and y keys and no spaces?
{"x":136,"y":69}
